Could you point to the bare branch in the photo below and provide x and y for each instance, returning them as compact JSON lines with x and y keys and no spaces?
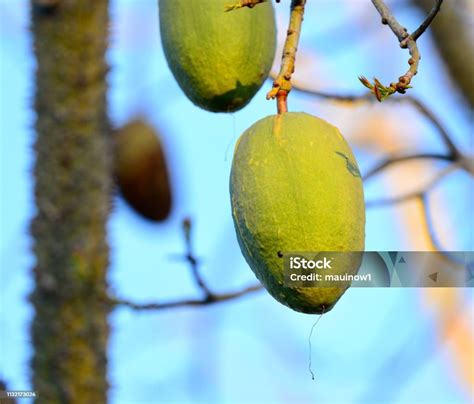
{"x":192,"y":260}
{"x":414,"y":102}
{"x":398,"y":159}
{"x":430,"y":229}
{"x":429,"y":19}
{"x":407,"y":41}
{"x":416,"y":194}
{"x":428,"y":114}
{"x":282,"y":83}
{"x":389,"y":19}
{"x":423,"y":199}
{"x":454,"y":155}
{"x":215,"y":298}
{"x":208,"y":296}
{"x":303,"y":89}
{"x":242,"y":4}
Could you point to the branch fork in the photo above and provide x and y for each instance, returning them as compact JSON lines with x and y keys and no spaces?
{"x":208,"y":297}
{"x":282,"y":83}
{"x":406,"y":41}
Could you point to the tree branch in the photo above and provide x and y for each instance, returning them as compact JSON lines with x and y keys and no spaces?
{"x":429,"y":19}
{"x":398,"y":159}
{"x":242,"y":4}
{"x":454,"y":155}
{"x":430,"y":229}
{"x":416,"y":194}
{"x":282,"y":83}
{"x":428,"y":114}
{"x":211,"y":299}
{"x":464,"y":161}
{"x":407,"y":41}
{"x":192,"y":260}
{"x":422,"y":196}
{"x":208,"y":296}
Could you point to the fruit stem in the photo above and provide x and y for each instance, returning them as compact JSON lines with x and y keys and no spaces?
{"x":282,"y":103}
{"x":282,"y":83}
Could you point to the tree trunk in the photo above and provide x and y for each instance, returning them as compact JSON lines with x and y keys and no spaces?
{"x":72,"y":173}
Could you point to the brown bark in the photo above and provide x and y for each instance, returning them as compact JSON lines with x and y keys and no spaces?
{"x":72,"y":173}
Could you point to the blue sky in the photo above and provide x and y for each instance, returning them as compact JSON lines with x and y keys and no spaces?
{"x":376,"y":345}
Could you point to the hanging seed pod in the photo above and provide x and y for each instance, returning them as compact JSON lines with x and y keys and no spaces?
{"x":141,"y":171}
{"x":219,"y":59}
{"x":295,"y":186}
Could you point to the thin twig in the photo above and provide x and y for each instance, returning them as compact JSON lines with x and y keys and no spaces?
{"x":423,"y":199}
{"x":407,"y":41}
{"x":242,"y":4}
{"x":415,"y":194}
{"x":458,"y":159}
{"x":208,"y":296}
{"x":430,"y":229}
{"x":414,"y":102}
{"x":428,"y":20}
{"x":282,"y":83}
{"x":192,"y":260}
{"x":398,"y":159}
{"x":215,"y":298}
{"x":428,"y":114}
{"x":422,"y":196}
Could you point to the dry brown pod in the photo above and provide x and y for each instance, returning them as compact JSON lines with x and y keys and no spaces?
{"x":141,"y":171}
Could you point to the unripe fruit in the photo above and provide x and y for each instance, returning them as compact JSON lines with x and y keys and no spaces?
{"x":295,"y":186}
{"x":141,"y":172}
{"x":219,"y":59}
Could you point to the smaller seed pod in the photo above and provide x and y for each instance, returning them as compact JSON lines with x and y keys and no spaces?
{"x":141,"y":171}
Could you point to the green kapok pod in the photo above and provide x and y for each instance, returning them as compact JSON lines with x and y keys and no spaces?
{"x":295,"y":186}
{"x":219,"y":59}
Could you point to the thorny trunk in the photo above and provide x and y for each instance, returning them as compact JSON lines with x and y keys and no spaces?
{"x":69,"y":330}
